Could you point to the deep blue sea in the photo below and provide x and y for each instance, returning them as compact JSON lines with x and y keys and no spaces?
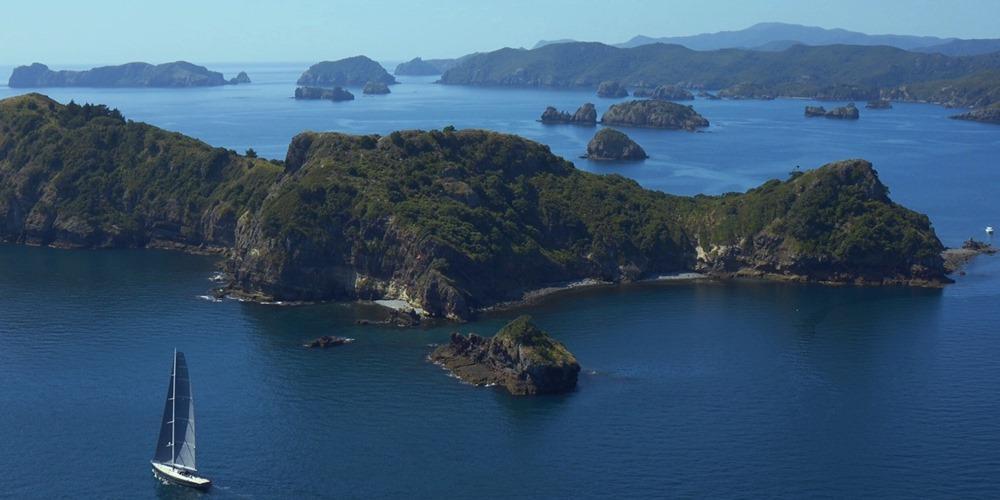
{"x":723,"y":390}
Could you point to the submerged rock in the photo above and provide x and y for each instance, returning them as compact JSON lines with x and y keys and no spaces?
{"x":521,"y":358}
{"x":654,"y":114}
{"x":327,"y":341}
{"x":334,"y":94}
{"x":375,"y":88}
{"x":612,"y":89}
{"x":585,"y":115}
{"x":609,"y":144}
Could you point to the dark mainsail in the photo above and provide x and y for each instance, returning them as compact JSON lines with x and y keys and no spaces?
{"x":176,"y":444}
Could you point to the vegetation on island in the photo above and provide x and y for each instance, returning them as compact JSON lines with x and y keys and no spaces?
{"x":452,"y":221}
{"x":351,"y":71}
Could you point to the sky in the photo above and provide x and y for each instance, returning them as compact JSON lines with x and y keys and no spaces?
{"x":204,"y":31}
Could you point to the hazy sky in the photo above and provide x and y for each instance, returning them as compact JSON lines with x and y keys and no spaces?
{"x":117,"y":31}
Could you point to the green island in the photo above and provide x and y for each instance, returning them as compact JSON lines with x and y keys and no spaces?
{"x":451,"y":221}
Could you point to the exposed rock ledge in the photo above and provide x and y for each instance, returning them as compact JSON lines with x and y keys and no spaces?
{"x":521,"y":358}
{"x":957,"y":258}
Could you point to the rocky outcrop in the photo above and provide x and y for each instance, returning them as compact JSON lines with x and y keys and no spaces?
{"x":375,"y":88}
{"x":879,"y":104}
{"x":175,"y":74}
{"x":849,"y":112}
{"x":671,"y":93}
{"x":611,"y":89}
{"x":611,"y":145}
{"x":957,"y":258}
{"x":520,"y":358}
{"x":241,"y":78}
{"x":585,"y":115}
{"x":708,"y":95}
{"x":989,"y":114}
{"x":314,"y":93}
{"x":357,"y":71}
{"x":654,"y":114}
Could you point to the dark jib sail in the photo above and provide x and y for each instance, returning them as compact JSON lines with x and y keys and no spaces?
{"x":176,"y":445}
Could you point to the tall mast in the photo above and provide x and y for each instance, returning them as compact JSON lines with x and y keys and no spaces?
{"x":173,"y":412}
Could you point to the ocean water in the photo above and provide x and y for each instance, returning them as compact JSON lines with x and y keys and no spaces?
{"x":729,"y":390}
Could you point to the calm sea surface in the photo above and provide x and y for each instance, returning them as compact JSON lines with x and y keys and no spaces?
{"x":689,"y":389}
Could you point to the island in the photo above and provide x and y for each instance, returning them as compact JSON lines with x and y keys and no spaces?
{"x":664,"y":92}
{"x":241,"y":78}
{"x":327,"y":341}
{"x":356,"y":71}
{"x":611,"y":89}
{"x":611,"y":145}
{"x":654,"y":114}
{"x":585,"y":115}
{"x":314,"y":93}
{"x":138,"y":74}
{"x":520,"y":358}
{"x":451,"y":222}
{"x":989,"y":114}
{"x":849,"y":112}
{"x":375,"y":88}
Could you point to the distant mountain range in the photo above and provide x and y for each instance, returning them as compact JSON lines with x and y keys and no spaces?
{"x":780,"y":36}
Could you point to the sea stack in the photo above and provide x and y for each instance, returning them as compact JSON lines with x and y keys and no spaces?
{"x":609,"y":144}
{"x":521,"y":358}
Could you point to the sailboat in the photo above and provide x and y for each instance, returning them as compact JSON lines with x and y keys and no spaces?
{"x":174,"y":459}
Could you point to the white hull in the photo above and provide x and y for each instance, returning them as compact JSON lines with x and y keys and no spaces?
{"x":180,"y":476}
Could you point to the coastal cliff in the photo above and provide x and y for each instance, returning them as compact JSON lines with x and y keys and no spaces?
{"x":139,"y":74}
{"x":449,"y":221}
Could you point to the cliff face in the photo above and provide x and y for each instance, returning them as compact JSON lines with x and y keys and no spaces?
{"x":521,"y":358}
{"x":449,"y":221}
{"x":175,"y":74}
{"x":357,"y":70}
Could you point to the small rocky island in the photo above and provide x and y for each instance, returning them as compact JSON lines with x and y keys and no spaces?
{"x":665,"y":93}
{"x":138,"y":74}
{"x":611,"y":89}
{"x":316,"y":93}
{"x":748,"y":90}
{"x":585,"y":115}
{"x":521,"y":358}
{"x":879,"y":104}
{"x":609,"y":144}
{"x":375,"y":88}
{"x":990,"y":114}
{"x":654,"y":114}
{"x":849,"y":112}
{"x":357,"y":70}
